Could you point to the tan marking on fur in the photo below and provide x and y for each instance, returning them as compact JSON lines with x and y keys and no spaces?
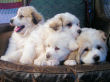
{"x":28,"y":11}
{"x":37,"y":16}
{"x":55,"y":25}
{"x":72,"y":55}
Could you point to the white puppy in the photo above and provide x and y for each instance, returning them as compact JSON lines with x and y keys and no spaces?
{"x":26,"y":20}
{"x":58,"y":46}
{"x":92,"y":48}
{"x":35,"y":46}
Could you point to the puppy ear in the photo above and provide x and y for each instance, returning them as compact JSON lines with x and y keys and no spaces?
{"x":104,"y":37}
{"x":78,"y":56}
{"x":80,"y":53}
{"x":54,"y":26}
{"x":36,"y":17}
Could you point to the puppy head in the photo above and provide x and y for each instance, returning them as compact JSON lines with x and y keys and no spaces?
{"x":93,"y":53}
{"x":70,"y":23}
{"x":92,"y":49}
{"x":56,"y":49}
{"x":26,"y":18}
{"x":65,"y":22}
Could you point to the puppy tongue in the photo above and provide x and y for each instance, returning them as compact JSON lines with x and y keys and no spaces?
{"x":17,"y":29}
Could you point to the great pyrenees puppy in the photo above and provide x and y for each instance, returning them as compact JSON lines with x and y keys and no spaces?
{"x":26,"y":20}
{"x":58,"y":46}
{"x":92,"y":48}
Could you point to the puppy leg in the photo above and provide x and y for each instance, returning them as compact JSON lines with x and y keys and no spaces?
{"x":13,"y":57}
{"x":41,"y":60}
{"x":70,"y":62}
{"x":28,"y":53}
{"x":11,"y":47}
{"x":53,"y":62}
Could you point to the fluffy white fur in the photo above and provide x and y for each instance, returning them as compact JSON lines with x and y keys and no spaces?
{"x":92,"y":48}
{"x":58,"y":46}
{"x":35,"y":45}
{"x":26,"y":20}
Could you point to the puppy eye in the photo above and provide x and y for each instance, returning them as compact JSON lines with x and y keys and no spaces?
{"x":86,"y":49}
{"x":56,"y":48}
{"x":69,"y":24}
{"x":99,"y":47}
{"x":21,"y":16}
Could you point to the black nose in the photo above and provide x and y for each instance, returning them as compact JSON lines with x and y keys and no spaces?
{"x":11,"y":21}
{"x":48,"y":55}
{"x":79,"y":31}
{"x":96,"y":58}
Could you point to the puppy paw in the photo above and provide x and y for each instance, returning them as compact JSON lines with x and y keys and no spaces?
{"x":9,"y":59}
{"x":26,"y":61}
{"x":4,"y":58}
{"x":52,"y":62}
{"x":70,"y":62}
{"x":40,"y":62}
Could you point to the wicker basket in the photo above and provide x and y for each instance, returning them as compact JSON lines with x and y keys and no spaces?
{"x":10,"y":72}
